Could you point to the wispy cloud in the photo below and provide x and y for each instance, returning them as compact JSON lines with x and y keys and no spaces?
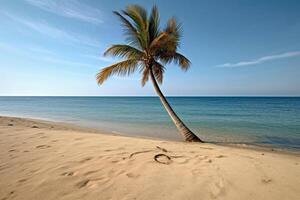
{"x":65,"y":62}
{"x":44,"y":55}
{"x":39,"y":50}
{"x":69,"y":8}
{"x":54,"y":32}
{"x":262,"y":59}
{"x":101,"y":58}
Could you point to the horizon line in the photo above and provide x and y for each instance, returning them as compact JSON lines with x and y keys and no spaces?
{"x":150,"y":96}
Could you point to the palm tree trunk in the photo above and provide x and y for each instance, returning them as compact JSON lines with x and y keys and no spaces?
{"x":188,"y":135}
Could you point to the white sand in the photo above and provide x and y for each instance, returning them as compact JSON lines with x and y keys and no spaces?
{"x":44,"y":160}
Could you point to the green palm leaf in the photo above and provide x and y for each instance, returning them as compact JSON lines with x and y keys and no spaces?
{"x":124,"y":51}
{"x":145,"y":76}
{"x":132,"y":35}
{"x":153,"y":28}
{"x":139,"y":17}
{"x":176,"y":58}
{"x":122,"y":68}
{"x":158,"y":71}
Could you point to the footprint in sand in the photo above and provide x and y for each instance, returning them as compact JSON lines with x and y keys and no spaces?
{"x":266,"y":180}
{"x":22,"y":180}
{"x":85,"y":159}
{"x":90,"y":172}
{"x":82,"y":184}
{"x":44,"y":146}
{"x":220,"y":156}
{"x":115,"y":161}
{"x":95,"y":182}
{"x":67,"y":174}
{"x":132,"y":175}
{"x":8,"y":195}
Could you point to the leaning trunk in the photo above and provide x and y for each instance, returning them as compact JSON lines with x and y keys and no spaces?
{"x":188,"y":135}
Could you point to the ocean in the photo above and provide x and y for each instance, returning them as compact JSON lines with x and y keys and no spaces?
{"x":271,"y":121}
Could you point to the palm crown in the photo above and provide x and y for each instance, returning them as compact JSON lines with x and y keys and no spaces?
{"x":148,"y":46}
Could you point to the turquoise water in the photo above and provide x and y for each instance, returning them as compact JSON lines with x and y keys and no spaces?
{"x":271,"y":121}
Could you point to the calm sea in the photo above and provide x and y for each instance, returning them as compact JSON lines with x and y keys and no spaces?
{"x":271,"y":121}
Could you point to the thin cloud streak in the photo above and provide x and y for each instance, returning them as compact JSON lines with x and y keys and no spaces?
{"x":101,"y":58}
{"x":44,"y":55}
{"x":65,"y":62}
{"x":262,"y":59}
{"x":54,"y":32}
{"x":70,"y":9}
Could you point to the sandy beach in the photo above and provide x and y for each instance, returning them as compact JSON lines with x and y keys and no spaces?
{"x":47,"y":160}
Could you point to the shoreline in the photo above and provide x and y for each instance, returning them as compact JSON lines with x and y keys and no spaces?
{"x":46,"y":160}
{"x":75,"y":126}
{"x":215,"y":119}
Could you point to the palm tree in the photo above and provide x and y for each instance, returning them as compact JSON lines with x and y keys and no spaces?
{"x":148,"y":48}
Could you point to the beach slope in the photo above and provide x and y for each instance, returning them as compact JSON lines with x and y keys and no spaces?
{"x":46,"y":160}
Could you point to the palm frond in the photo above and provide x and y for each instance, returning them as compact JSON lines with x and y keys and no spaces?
{"x":139,"y":16}
{"x":158,"y":71}
{"x":132,"y":35}
{"x":145,"y":76}
{"x":122,"y":68}
{"x":165,"y":44}
{"x":124,"y":51}
{"x":153,"y":28}
{"x":182,"y":61}
{"x":169,"y":39}
{"x":176,"y":58}
{"x":159,"y":41}
{"x":174,"y":27}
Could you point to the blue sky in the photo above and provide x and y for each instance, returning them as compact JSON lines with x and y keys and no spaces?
{"x":53,"y":47}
